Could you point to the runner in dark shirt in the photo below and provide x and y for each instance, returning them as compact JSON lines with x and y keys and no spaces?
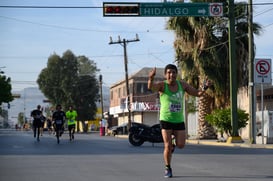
{"x":58,"y":119}
{"x":37,"y":115}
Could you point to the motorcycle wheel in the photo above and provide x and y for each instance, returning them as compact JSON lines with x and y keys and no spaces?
{"x":134,"y":140}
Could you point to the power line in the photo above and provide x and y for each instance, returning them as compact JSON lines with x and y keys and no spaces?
{"x":58,"y":26}
{"x":263,"y":12}
{"x":73,"y":28}
{"x":91,"y":57}
{"x":268,"y":25}
{"x":89,"y":7}
{"x":50,"y":7}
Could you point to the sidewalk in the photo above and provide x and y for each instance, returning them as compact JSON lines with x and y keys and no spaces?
{"x":214,"y":142}
{"x":246,"y":144}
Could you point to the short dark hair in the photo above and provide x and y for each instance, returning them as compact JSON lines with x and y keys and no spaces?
{"x":170,"y":66}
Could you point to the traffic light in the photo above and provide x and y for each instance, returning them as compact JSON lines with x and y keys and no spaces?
{"x":121,"y":9}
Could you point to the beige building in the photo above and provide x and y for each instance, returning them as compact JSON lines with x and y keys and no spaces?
{"x":144,"y":104}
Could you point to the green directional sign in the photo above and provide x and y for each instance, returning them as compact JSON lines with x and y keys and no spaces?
{"x":165,"y":9}
{"x":181,"y":9}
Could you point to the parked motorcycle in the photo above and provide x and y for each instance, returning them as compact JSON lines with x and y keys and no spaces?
{"x":139,"y":133}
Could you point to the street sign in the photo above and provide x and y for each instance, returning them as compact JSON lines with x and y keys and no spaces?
{"x":262,"y":72}
{"x":181,"y":9}
{"x":165,"y":9}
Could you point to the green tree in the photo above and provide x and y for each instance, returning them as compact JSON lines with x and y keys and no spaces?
{"x":5,"y":89}
{"x":87,"y":88}
{"x":70,"y":80}
{"x":201,"y":46}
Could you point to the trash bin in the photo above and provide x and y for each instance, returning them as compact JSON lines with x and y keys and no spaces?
{"x":102,"y":131}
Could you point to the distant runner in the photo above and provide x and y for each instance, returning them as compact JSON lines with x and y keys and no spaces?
{"x":71,"y":122}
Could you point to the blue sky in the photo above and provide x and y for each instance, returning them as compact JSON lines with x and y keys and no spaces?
{"x":29,"y":36}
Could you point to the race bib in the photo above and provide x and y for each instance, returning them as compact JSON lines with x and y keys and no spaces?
{"x":58,"y":121}
{"x":37,"y":116}
{"x":175,"y":107}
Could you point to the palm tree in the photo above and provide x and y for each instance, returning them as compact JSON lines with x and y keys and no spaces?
{"x":201,"y":46}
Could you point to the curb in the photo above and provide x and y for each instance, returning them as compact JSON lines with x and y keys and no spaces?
{"x":242,"y":145}
{"x":215,"y":143}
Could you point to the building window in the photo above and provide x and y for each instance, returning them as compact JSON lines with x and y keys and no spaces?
{"x":142,"y":88}
{"x":124,"y":91}
{"x":119,"y":92}
{"x":131,"y":91}
{"x":111,"y":95}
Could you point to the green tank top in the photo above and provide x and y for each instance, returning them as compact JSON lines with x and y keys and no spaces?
{"x":171,"y":104}
{"x":71,"y":116}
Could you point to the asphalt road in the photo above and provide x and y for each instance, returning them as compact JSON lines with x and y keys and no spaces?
{"x":95,"y":158}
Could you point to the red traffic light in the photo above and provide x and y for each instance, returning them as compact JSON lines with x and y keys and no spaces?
{"x":120,"y":9}
{"x":113,"y":9}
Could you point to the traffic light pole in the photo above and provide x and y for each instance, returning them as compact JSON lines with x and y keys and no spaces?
{"x":124,"y":43}
{"x":233,"y":76}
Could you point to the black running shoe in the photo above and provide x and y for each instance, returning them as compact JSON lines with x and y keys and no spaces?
{"x":168,"y":173}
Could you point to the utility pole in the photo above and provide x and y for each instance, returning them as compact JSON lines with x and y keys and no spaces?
{"x":101,"y":96}
{"x":233,"y":75}
{"x":251,"y":86}
{"x":124,"y":43}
